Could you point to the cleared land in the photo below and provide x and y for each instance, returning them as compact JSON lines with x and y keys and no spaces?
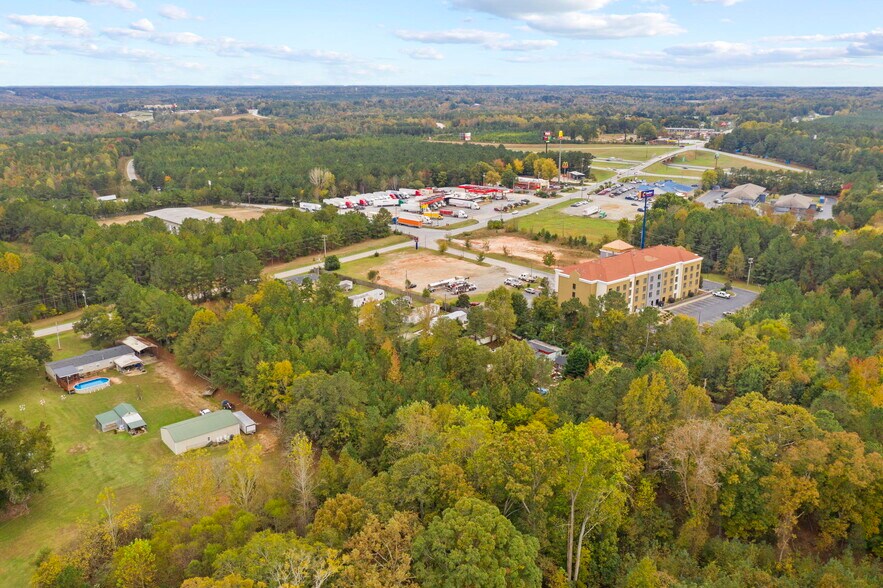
{"x":354,"y":249}
{"x":240,"y":213}
{"x":422,"y":267}
{"x":121,"y":220}
{"x":515,"y":248}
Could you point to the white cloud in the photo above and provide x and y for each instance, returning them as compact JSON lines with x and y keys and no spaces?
{"x":72,"y":26}
{"x":721,"y":2}
{"x":717,"y":54}
{"x":122,"y":4}
{"x":424,"y":54}
{"x":172,"y":12}
{"x":488,"y":39}
{"x":517,"y":8}
{"x":584,"y":25}
{"x":142,"y":25}
{"x":579,"y":18}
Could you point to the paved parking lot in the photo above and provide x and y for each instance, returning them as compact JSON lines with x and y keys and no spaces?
{"x":710,"y":309}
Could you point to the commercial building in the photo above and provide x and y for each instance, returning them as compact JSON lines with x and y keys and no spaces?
{"x":207,"y":429}
{"x":797,"y":204}
{"x":175,"y":217}
{"x":746,"y":194}
{"x":645,"y":277}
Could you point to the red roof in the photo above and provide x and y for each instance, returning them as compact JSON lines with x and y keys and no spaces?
{"x":638,"y":261}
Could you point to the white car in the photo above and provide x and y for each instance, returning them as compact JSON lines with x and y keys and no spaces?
{"x":722,"y":294}
{"x":531,"y":291}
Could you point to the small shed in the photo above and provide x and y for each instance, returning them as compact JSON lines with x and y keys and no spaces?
{"x":246,"y":424}
{"x":140,"y":346}
{"x":215,"y":427}
{"x":546,"y":350}
{"x":123,"y":417}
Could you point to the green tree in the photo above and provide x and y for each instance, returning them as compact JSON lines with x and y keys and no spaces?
{"x":25,"y":455}
{"x":578,"y":361}
{"x":646,"y":131}
{"x":332,"y":263}
{"x":549,"y":258}
{"x":473,"y":545}
{"x":735,"y":268}
{"x":499,"y":316}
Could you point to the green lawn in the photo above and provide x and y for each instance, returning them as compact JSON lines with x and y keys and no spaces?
{"x":602,"y":175}
{"x":354,"y":249}
{"x":60,"y":319}
{"x":651,"y":179}
{"x":565,"y":225}
{"x":464,"y":223}
{"x":736,"y":283}
{"x":85,"y":460}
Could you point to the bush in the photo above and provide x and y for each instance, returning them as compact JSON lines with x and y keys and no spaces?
{"x":332,"y":263}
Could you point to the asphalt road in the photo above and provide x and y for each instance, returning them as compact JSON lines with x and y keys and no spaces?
{"x":710,"y":309}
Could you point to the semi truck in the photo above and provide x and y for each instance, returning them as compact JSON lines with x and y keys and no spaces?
{"x":592,"y":211}
{"x":412,"y":207}
{"x":454,"y":213}
{"x":310,"y":206}
{"x":461,"y":203}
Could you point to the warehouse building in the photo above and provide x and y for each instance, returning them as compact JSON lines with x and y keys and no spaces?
{"x":207,"y":429}
{"x":174,"y":217}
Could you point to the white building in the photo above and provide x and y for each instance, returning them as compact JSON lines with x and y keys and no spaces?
{"x":376,"y":295}
{"x":175,"y":217}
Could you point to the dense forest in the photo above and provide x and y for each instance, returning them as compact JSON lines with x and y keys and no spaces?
{"x":662,"y":454}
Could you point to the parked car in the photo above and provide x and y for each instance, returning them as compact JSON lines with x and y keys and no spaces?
{"x":630,"y":197}
{"x":640,"y":209}
{"x":634,"y":203}
{"x":227,"y":405}
{"x":722,"y":294}
{"x":531,"y":291}
{"x":203,"y":411}
{"x":728,"y":313}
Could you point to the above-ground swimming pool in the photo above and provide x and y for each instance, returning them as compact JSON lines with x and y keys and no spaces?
{"x":91,"y":385}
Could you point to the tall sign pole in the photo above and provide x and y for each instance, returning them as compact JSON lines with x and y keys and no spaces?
{"x":645,"y":194}
{"x":560,"y":136}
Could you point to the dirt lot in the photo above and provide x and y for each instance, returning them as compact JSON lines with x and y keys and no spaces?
{"x":423,"y":268}
{"x":240,"y":213}
{"x":530,"y":249}
{"x":121,"y":220}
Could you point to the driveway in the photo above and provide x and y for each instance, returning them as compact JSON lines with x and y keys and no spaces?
{"x":710,"y":309}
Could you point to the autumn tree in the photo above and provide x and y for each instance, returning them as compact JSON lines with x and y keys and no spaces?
{"x":381,"y":553}
{"x":243,"y":472}
{"x":135,"y":565}
{"x":194,"y":484}
{"x":301,"y":463}
{"x":25,"y":455}
{"x":595,"y":467}
{"x":735,"y":269}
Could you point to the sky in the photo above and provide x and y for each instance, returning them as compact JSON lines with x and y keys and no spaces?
{"x":442,"y":42}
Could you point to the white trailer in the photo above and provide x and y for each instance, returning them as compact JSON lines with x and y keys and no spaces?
{"x":461,"y":203}
{"x":376,"y":295}
{"x":310,"y":206}
{"x":592,"y":211}
{"x":412,"y":207}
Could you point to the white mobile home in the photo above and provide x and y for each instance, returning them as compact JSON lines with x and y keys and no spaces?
{"x":376,"y":295}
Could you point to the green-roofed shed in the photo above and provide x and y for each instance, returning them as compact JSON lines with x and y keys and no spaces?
{"x":122,"y":417}
{"x":215,"y":427}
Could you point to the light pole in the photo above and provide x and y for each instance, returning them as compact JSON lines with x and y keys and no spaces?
{"x":750,"y":264}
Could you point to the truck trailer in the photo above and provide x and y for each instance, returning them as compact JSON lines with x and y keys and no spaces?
{"x":310,"y":206}
{"x":408,"y":221}
{"x":461,"y":203}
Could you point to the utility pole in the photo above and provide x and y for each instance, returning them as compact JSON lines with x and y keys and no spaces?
{"x":85,"y":302}
{"x":324,"y":246}
{"x":644,"y":195}
{"x":57,"y":336}
{"x":560,"y":135}
{"x":750,"y":263}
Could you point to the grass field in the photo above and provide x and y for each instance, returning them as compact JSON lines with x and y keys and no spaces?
{"x":663,"y":169}
{"x":602,"y":175}
{"x":630,"y":152}
{"x":564,"y":225}
{"x":354,"y":249}
{"x":673,"y":178}
{"x":706,"y":159}
{"x":611,"y":164}
{"x":464,"y":223}
{"x":85,"y":461}
{"x":60,"y":319}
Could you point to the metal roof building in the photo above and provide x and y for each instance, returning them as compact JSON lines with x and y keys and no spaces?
{"x":123,"y":416}
{"x":214,"y":427}
{"x":175,"y":217}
